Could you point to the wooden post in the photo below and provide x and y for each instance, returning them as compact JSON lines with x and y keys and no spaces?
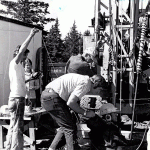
{"x":32,"y":135}
{"x":1,"y":137}
{"x":97,"y":12}
{"x":113,"y":17}
{"x":131,"y":74}
{"x":96,"y":27}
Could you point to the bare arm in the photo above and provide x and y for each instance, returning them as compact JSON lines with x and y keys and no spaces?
{"x":72,"y":103}
{"x":25,"y":45}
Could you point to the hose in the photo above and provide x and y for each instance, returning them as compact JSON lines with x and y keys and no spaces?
{"x":139,"y":64}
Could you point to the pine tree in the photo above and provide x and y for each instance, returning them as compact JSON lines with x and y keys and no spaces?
{"x":32,"y":12}
{"x":87,"y":33}
{"x":73,"y":42}
{"x":55,"y":44}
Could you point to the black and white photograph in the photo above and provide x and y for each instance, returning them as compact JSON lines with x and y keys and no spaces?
{"x":74,"y":74}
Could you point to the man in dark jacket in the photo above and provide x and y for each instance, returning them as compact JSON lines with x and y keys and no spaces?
{"x":83,"y":64}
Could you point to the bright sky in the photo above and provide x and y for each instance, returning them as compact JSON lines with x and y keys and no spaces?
{"x":80,"y":11}
{"x":68,"y":11}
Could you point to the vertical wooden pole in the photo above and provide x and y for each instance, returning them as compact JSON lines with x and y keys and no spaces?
{"x":131,"y":74}
{"x":113,"y":16}
{"x":1,"y":137}
{"x":96,"y":28}
{"x":32,"y":134}
{"x":97,"y":12}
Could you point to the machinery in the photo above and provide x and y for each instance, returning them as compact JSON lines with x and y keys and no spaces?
{"x":122,"y":39}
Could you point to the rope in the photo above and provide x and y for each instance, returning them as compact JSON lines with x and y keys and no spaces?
{"x":133,"y":112}
{"x":139,"y":64}
{"x":142,"y":138}
{"x":49,"y":58}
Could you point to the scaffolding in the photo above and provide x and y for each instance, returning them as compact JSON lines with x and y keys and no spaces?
{"x":127,"y":39}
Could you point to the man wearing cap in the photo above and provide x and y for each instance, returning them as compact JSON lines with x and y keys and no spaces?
{"x":17,"y":94}
{"x":64,"y":93}
{"x":83,"y":64}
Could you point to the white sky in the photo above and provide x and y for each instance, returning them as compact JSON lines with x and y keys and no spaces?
{"x":68,"y":11}
{"x":81,"y":11}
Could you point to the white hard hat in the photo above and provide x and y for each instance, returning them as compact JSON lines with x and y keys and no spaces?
{"x":107,"y":109}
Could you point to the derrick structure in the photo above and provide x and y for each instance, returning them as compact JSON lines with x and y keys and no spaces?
{"x":125,"y":56}
{"x":123,"y":26}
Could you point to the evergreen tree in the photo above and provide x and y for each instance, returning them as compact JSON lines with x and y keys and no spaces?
{"x":73,"y":42}
{"x":55,"y":44}
{"x":32,"y":12}
{"x":87,"y":33}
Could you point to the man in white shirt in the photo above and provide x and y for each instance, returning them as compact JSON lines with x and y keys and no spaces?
{"x":63,"y":93}
{"x":16,"y":101}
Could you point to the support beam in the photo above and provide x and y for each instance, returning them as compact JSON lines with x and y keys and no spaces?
{"x":113,"y":15}
{"x":97,"y":15}
{"x":131,"y":74}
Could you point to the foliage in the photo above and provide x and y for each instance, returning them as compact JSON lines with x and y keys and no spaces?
{"x":32,"y":12}
{"x":73,"y":42}
{"x":55,"y":44}
{"x":87,"y":33}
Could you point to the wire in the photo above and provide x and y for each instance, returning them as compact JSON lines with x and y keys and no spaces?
{"x":133,"y":112}
{"x":139,"y":64}
{"x":49,"y":58}
{"x":142,"y":138}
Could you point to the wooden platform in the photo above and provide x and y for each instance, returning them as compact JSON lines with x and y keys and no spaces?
{"x":30,"y":118}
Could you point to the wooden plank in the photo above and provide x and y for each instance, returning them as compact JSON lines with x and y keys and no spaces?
{"x":8,"y":118}
{"x":125,"y":27}
{"x":104,"y":5}
{"x":32,"y":135}
{"x":1,"y":137}
{"x":26,"y":138}
{"x":131,"y":74}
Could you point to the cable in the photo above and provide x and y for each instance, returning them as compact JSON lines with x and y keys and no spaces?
{"x":142,"y":139}
{"x":133,"y":112}
{"x":139,"y":64}
{"x":49,"y":57}
{"x":142,"y":42}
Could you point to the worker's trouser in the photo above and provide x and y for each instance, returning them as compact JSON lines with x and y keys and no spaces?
{"x":60,"y":112}
{"x":15,"y":131}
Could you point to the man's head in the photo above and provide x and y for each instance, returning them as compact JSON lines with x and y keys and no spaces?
{"x":98,"y":81}
{"x":24,"y":55}
{"x":90,"y":54}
